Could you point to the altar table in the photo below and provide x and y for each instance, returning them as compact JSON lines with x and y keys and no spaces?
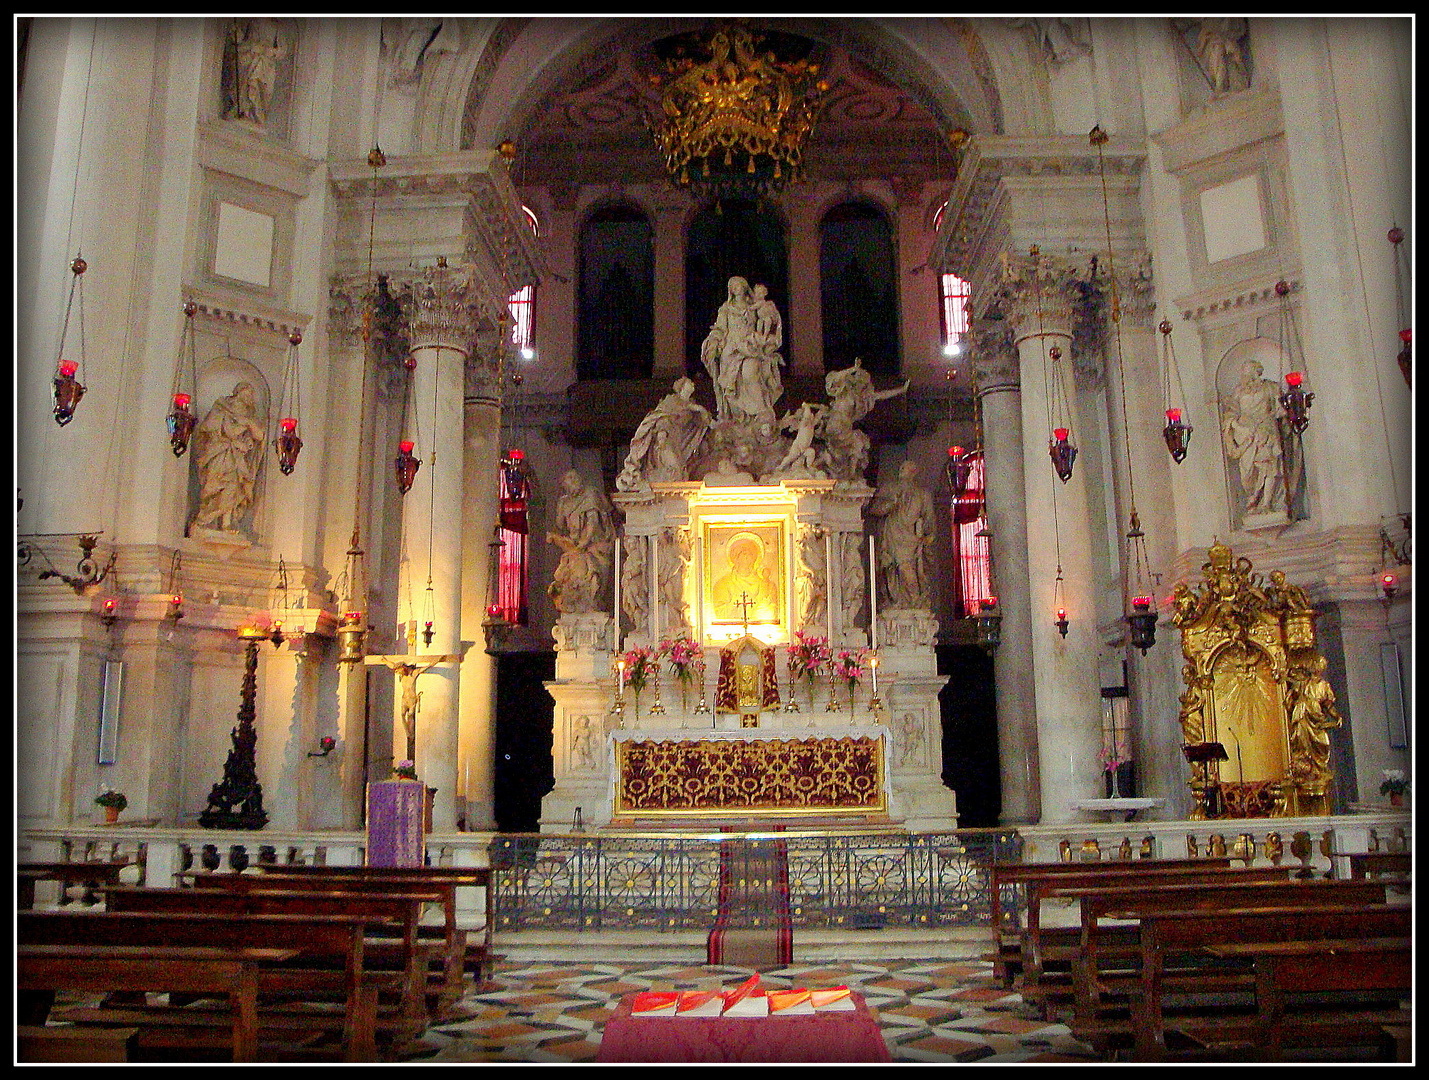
{"x":831,"y":1036}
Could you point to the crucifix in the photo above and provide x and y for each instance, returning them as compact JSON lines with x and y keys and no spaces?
{"x":408,"y":670}
{"x":743,"y":604}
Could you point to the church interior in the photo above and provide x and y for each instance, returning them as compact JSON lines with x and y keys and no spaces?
{"x":758,"y":481}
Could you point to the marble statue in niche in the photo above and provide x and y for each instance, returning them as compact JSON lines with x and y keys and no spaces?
{"x":251,"y":55}
{"x":635,"y":584}
{"x":905,"y":536}
{"x":585,"y":536}
{"x":667,"y":440}
{"x":1251,"y":429}
{"x":676,"y":553}
{"x":228,"y":450}
{"x":1220,"y":47}
{"x":855,"y":596}
{"x":811,"y":580}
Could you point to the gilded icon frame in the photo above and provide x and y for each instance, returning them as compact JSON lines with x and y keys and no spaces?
{"x":721,"y":540}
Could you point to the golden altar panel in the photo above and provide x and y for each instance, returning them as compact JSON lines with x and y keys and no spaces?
{"x":765,"y":776}
{"x":1255,"y":683}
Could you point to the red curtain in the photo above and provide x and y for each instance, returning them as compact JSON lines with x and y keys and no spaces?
{"x":970,"y":551}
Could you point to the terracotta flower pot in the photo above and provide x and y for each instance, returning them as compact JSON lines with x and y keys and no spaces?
{"x":1396,"y":799}
{"x":111,"y":814}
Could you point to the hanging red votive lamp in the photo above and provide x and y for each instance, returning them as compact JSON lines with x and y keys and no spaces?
{"x":110,"y":612}
{"x":989,"y":624}
{"x":406,"y":465}
{"x":288,"y":444}
{"x":1142,"y":622}
{"x":958,"y":470}
{"x":1061,"y":622}
{"x":176,"y":607}
{"x":1389,"y":585}
{"x":1296,"y":402}
{"x":1177,"y":434}
{"x":427,"y":634}
{"x":68,"y":391}
{"x":1405,"y":354}
{"x":350,"y":638}
{"x":1063,"y":453}
{"x":181,"y":424}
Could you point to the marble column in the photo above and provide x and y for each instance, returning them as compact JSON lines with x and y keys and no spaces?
{"x":441,"y":314}
{"x":476,"y":744}
{"x":1038,"y":296}
{"x":995,"y":369}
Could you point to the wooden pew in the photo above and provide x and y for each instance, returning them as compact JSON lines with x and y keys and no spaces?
{"x":454,"y":877}
{"x":329,"y":961}
{"x":398,"y":913}
{"x":447,"y":982}
{"x":1105,"y":961}
{"x":1007,"y":933}
{"x":72,"y":1043}
{"x":1037,"y":941}
{"x":92,"y":875}
{"x":1172,"y":939}
{"x":231,"y":972}
{"x":1339,"y":974}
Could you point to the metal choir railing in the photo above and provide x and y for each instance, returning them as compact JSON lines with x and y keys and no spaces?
{"x":664,"y":882}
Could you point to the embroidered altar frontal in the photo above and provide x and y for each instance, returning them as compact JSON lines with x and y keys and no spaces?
{"x":769,"y":776}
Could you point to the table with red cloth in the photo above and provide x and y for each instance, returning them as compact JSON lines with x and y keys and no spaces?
{"x":828,"y":1036}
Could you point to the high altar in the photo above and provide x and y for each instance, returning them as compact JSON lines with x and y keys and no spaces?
{"x":744,"y":542}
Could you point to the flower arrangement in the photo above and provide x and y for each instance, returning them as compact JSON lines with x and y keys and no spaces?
{"x":405,"y":769}
{"x":115,"y":799}
{"x":1394,"y":782}
{"x":641,"y":665}
{"x":1113,"y":758}
{"x":848,"y":666}
{"x":687,"y":659}
{"x":808,"y":653}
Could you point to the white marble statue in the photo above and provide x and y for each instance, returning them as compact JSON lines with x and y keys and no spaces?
{"x":801,"y":459}
{"x":1220,"y":44}
{"x":228,"y":448}
{"x":811,"y":580}
{"x":741,"y":353}
{"x":256,"y":47}
{"x":635,"y":584}
{"x":1251,"y":430}
{"x":851,"y":398}
{"x":855,"y":594}
{"x":676,"y":553}
{"x":586,"y":538}
{"x":905,"y":538}
{"x":667,"y":440}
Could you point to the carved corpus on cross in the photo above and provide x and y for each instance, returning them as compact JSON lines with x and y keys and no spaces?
{"x":408,"y":670}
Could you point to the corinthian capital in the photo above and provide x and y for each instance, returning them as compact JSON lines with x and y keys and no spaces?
{"x":994,"y":354}
{"x":1038,"y":292}
{"x":444,"y":308}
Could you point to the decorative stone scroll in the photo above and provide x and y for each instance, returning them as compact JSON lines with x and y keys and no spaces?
{"x":771,"y":776}
{"x":1255,"y":683}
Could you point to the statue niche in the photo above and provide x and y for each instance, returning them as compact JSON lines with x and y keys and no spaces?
{"x":1255,"y":685}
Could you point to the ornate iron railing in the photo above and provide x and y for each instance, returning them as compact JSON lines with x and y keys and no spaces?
{"x":665,"y":882}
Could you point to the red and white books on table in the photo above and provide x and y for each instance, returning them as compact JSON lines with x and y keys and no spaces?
{"x":700,"y":1003}
{"x":747,"y":999}
{"x":834,"y":999}
{"x":791,"y":1003}
{"x":655,"y":1003}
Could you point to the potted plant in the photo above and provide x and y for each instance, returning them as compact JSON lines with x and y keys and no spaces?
{"x":113,"y":802}
{"x":404,"y":770}
{"x":1395,"y":786}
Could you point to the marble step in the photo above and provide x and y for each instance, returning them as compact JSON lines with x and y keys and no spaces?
{"x":688,"y":946}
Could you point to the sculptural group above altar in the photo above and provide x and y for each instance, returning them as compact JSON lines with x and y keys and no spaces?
{"x":746,"y":440}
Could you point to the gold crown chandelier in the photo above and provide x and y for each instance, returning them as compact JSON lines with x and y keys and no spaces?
{"x":735,"y":119}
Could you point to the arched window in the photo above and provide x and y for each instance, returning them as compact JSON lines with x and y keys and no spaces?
{"x":970,"y":550}
{"x":954,"y":297}
{"x":615,"y":304}
{"x":731,"y":238}
{"x":859,"y":289}
{"x":522,"y":306}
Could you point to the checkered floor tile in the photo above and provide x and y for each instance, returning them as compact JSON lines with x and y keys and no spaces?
{"x":930,"y":1011}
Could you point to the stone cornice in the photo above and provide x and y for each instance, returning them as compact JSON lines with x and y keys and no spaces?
{"x":223,"y":307}
{"x":1225,"y":124}
{"x":229,"y":147}
{"x":1232,"y":302}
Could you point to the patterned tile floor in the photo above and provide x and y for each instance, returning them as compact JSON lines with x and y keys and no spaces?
{"x":929,"y":1010}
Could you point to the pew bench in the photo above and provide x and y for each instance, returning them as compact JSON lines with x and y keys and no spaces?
{"x":478,"y":953}
{"x":1105,"y":962}
{"x":446,"y":980}
{"x":92,"y":875}
{"x":73,"y":1043}
{"x":327,"y":965}
{"x":1007,"y":926}
{"x":44,"y":970}
{"x":1174,"y":941}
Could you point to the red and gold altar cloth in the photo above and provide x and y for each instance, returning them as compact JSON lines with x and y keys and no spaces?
{"x":766,"y":775}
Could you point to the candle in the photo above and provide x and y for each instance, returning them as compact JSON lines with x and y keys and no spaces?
{"x":68,"y":368}
{"x":1173,"y":416}
{"x":873,"y":669}
{"x":618,"y":546}
{"x":181,"y":401}
{"x":828,"y":584}
{"x":1060,"y":434}
{"x":1294,"y":378}
{"x":872,"y":598}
